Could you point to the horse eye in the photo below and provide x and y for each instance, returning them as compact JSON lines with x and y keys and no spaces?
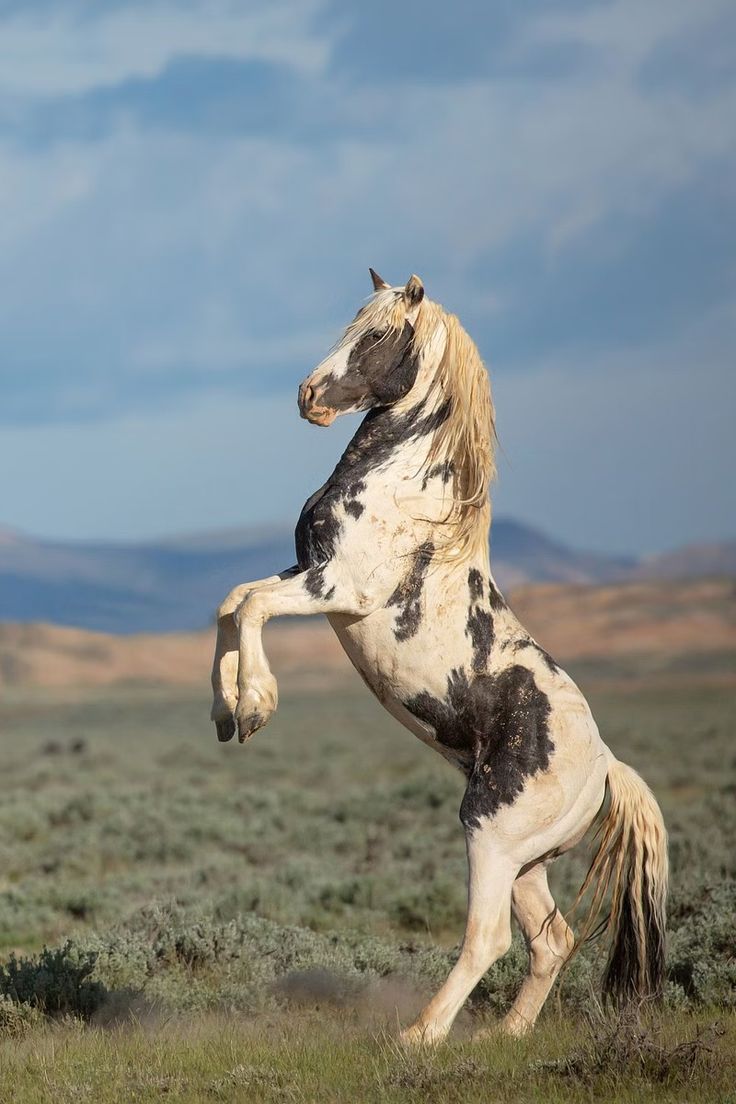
{"x":369,"y":340}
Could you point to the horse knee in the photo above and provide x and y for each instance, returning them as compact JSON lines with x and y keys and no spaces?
{"x":235,"y":599}
{"x":486,"y":945}
{"x":230,"y":604}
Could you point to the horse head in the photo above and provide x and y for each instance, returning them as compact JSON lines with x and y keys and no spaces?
{"x":374,"y":363}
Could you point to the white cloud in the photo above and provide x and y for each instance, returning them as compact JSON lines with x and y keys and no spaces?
{"x":624,"y":31}
{"x":449,"y":173}
{"x":64,"y":51}
{"x":124,"y":258}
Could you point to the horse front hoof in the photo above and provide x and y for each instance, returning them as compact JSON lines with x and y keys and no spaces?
{"x":225,"y":730}
{"x":248,"y":725}
{"x":255,"y":708}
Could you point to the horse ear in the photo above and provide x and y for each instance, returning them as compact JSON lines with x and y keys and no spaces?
{"x":379,"y":284}
{"x":414,"y":291}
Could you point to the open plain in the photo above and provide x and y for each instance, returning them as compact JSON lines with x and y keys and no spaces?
{"x":190,"y":921}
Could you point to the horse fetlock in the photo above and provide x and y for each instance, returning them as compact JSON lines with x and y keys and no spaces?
{"x":255,"y":708}
{"x":514,"y":1025}
{"x":223,"y":705}
{"x":422,"y":1035}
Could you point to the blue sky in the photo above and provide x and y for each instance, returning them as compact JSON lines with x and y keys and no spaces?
{"x":191,"y":193}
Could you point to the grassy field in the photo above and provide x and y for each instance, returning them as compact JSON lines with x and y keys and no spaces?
{"x":251,"y":923}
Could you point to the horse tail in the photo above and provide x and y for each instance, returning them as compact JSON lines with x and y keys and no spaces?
{"x":631,"y":862}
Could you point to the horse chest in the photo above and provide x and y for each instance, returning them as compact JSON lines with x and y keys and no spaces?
{"x":318,"y":529}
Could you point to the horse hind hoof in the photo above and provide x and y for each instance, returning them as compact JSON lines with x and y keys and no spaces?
{"x":225,"y":730}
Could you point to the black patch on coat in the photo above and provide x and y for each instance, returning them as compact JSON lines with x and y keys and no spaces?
{"x":495,"y":597}
{"x":547,"y":659}
{"x":444,"y":469}
{"x":408,"y":594}
{"x":498,"y":726}
{"x":351,"y":502}
{"x":314,"y":582}
{"x":527,"y":642}
{"x":479,"y":627}
{"x":475,"y":584}
{"x":380,"y":434}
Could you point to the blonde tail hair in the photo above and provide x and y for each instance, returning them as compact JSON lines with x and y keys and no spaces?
{"x":631,"y":862}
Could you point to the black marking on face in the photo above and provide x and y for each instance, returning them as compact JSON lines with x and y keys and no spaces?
{"x":495,"y":597}
{"x":379,"y":436}
{"x":386,"y":362}
{"x":408,"y":594}
{"x":445,"y":469}
{"x":498,"y":726}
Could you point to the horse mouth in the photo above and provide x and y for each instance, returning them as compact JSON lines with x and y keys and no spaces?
{"x":320,"y":415}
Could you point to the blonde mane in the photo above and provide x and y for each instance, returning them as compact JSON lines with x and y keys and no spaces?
{"x":466,"y":438}
{"x":385,"y":310}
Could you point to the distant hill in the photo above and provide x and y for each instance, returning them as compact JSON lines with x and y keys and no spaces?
{"x":688,"y":629}
{"x":692,"y":561}
{"x":175,"y":585}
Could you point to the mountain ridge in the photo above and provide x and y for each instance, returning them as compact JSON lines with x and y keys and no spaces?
{"x":174,"y":584}
{"x":652,"y":628}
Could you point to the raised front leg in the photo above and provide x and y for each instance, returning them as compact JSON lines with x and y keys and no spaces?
{"x":225,"y":665}
{"x":317,"y":590}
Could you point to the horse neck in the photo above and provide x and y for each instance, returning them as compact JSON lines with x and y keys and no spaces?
{"x":396,"y":437}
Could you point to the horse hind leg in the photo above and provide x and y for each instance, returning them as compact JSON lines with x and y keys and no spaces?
{"x":487,"y":937}
{"x":549,"y":940}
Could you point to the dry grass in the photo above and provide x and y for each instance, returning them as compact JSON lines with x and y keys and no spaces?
{"x":320,"y":1056}
{"x":264,"y":916}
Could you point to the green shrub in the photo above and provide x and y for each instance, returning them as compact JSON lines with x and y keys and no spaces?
{"x":702,"y":951}
{"x":55,"y":981}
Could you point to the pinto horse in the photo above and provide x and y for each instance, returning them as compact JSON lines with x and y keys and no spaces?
{"x":394,"y":550}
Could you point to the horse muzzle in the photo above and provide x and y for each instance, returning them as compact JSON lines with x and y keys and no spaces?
{"x":310,"y":409}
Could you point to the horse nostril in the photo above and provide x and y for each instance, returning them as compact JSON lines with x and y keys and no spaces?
{"x":307,"y":394}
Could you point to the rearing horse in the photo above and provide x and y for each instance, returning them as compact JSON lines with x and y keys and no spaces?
{"x":394,"y":550}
